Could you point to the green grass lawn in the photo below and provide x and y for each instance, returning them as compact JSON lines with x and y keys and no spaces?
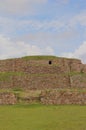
{"x":40,"y":117}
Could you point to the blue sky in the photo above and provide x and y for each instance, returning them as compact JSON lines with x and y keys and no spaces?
{"x":43,"y":27}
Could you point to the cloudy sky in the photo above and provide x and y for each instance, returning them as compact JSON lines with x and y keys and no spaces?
{"x":43,"y":27}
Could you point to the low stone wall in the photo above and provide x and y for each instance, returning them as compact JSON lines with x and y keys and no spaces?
{"x":52,"y":97}
{"x":7,"y":98}
{"x":63,"y":97}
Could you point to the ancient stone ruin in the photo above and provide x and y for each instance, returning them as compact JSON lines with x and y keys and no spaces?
{"x":41,"y":73}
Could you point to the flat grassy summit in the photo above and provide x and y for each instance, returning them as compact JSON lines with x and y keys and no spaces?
{"x":39,"y":57}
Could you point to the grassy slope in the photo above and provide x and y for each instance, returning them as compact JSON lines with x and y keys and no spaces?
{"x":39,"y":117}
{"x":39,"y":57}
{"x":45,"y":57}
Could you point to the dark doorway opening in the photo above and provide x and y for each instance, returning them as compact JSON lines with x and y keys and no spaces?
{"x":50,"y":62}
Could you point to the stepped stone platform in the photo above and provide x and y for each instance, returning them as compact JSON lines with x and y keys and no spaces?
{"x":42,"y":72}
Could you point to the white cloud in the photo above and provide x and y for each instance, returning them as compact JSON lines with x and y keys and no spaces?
{"x":9,"y":25}
{"x":78,"y":19}
{"x":12,"y":25}
{"x":20,"y":6}
{"x":9,"y":49}
{"x":49,"y":50}
{"x":78,"y":53}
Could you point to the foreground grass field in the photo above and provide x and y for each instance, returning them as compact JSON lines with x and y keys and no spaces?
{"x":40,"y":117}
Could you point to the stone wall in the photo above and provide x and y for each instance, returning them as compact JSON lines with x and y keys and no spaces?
{"x":41,"y":66}
{"x":63,"y":97}
{"x":34,"y":81}
{"x":7,"y":98}
{"x":39,"y":74}
{"x":48,"y":97}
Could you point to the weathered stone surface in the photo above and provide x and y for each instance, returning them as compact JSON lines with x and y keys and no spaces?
{"x":41,"y":66}
{"x":63,"y":97}
{"x":7,"y":98}
{"x":38,"y":74}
